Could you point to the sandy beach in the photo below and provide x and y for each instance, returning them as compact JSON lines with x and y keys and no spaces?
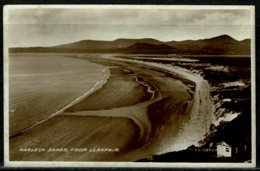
{"x":142,"y":110}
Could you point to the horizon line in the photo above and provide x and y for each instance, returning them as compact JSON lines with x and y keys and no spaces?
{"x":129,"y":39}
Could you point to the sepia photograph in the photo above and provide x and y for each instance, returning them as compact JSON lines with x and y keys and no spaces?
{"x":129,"y":86}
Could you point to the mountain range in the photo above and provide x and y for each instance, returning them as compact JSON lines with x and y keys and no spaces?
{"x":220,"y":45}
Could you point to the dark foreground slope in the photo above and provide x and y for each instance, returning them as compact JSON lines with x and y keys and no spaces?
{"x":237,"y":133}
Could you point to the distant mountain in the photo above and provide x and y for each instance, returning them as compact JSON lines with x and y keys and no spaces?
{"x":220,"y":45}
{"x":93,"y":45}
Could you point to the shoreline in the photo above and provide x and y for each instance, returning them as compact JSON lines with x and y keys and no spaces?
{"x":148,"y":129}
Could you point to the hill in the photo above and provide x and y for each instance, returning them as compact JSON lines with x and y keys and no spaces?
{"x":220,"y":45}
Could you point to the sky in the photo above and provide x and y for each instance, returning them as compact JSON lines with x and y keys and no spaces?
{"x":27,"y":26}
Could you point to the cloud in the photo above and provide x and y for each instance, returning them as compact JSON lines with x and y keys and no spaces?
{"x":54,"y":26}
{"x":223,"y":18}
{"x":129,"y":16}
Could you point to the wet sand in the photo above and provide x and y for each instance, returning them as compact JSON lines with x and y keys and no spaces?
{"x":81,"y":136}
{"x":120,"y":90}
{"x":123,"y":114}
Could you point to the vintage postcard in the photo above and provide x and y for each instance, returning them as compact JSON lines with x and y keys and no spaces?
{"x":129,"y":86}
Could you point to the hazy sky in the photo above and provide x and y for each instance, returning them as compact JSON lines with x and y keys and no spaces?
{"x":41,"y":26}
